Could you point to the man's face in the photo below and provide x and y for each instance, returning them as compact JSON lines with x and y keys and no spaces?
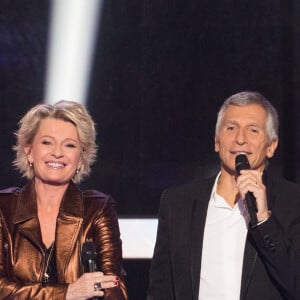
{"x":243,"y":130}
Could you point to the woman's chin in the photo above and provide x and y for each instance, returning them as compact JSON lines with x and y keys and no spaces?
{"x":53,"y":181}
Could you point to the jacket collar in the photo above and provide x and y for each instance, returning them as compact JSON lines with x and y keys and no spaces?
{"x":26,"y":208}
{"x":72,"y":204}
{"x":69,"y":221}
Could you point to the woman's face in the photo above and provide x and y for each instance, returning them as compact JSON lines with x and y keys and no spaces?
{"x":55,"y":152}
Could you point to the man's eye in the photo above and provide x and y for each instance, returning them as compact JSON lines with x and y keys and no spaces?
{"x":230,"y":128}
{"x":254,"y":130}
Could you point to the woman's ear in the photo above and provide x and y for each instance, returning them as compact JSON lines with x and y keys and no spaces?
{"x":27,"y":150}
{"x":80,"y":164}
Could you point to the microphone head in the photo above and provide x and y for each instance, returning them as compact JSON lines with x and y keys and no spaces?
{"x":88,"y":251}
{"x":88,"y":257}
{"x":241,"y":163}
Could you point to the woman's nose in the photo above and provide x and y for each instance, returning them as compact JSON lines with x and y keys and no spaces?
{"x":57,"y":151}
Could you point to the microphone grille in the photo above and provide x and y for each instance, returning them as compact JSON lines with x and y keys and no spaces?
{"x":241,"y":163}
{"x":89,"y":250}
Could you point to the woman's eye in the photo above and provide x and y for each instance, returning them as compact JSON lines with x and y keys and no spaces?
{"x":47,"y":143}
{"x":70,"y":145}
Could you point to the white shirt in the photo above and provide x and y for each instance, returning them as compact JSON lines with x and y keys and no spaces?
{"x":223,"y":249}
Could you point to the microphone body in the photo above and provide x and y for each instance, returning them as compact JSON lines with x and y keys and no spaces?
{"x":242,"y":163}
{"x":88,"y":258}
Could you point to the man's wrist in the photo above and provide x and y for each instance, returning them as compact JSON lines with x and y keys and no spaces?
{"x":264,"y":217}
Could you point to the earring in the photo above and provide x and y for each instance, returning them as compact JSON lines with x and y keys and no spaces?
{"x":77,"y":172}
{"x":30,"y":165}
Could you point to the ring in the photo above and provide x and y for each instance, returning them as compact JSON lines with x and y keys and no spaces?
{"x":97,"y":286}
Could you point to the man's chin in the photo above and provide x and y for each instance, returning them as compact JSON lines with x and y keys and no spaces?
{"x":229,"y":170}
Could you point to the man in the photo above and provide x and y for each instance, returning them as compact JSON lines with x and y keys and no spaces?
{"x":205,"y":247}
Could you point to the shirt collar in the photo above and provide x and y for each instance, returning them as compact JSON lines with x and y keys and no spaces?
{"x":219,"y":202}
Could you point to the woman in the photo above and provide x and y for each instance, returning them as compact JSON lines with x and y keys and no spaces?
{"x":45,"y":225}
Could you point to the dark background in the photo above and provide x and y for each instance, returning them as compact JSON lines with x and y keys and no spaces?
{"x":161,"y":71}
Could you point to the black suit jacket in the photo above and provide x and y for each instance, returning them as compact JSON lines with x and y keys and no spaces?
{"x":271,"y":264}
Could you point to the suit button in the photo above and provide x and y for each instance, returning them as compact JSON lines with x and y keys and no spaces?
{"x":270,"y":244}
{"x":272,"y":247}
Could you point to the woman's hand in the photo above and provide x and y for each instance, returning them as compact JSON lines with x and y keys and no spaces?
{"x":91,"y":285}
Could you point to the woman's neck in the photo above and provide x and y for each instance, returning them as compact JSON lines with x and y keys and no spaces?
{"x":49,"y":196}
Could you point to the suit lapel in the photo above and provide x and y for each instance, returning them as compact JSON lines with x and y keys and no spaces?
{"x":250,"y":257}
{"x":200,"y":204}
{"x":250,"y":254}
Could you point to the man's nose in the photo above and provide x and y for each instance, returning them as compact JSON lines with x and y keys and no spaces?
{"x":241,"y":137}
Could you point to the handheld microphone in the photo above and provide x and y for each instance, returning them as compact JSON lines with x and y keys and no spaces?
{"x":88,"y":258}
{"x":242,"y":163}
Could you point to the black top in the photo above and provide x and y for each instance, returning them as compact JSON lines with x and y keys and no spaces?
{"x":50,"y":276}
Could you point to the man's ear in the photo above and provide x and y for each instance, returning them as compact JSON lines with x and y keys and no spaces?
{"x":272,"y":148}
{"x":217,"y":146}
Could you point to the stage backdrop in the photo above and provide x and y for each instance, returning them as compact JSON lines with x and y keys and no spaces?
{"x":161,"y":70}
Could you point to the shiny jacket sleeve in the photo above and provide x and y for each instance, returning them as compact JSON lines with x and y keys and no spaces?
{"x":109,"y":248}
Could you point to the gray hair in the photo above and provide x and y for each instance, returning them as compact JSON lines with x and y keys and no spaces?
{"x":68,"y":111}
{"x":247,"y":98}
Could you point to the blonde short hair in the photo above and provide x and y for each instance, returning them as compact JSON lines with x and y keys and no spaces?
{"x":68,"y":111}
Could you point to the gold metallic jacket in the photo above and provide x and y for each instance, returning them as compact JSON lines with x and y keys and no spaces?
{"x":83,"y":216}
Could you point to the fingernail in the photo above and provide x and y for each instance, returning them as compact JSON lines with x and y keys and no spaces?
{"x":116,"y":283}
{"x":117,"y":278}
